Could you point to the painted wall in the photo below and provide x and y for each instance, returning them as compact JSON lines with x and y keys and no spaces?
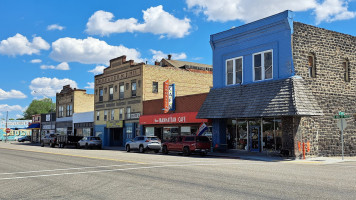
{"x":271,"y":33}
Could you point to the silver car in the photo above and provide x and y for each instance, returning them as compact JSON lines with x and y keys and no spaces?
{"x":143,"y":143}
{"x":89,"y":142}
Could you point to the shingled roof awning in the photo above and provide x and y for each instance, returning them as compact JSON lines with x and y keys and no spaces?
{"x":287,"y":97}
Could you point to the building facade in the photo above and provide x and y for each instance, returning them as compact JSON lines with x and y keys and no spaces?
{"x":48,"y":124}
{"x":35,"y":128}
{"x":18,"y":128}
{"x":68,"y":102}
{"x":278,"y":84}
{"x":124,"y":85}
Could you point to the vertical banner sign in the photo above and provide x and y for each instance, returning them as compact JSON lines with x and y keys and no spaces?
{"x":172,"y":98}
{"x":166,"y":96}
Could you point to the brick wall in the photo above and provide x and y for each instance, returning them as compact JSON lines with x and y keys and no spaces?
{"x":329,"y":88}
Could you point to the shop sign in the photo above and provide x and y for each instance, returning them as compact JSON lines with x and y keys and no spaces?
{"x":48,"y":118}
{"x":166,"y":96}
{"x":175,"y":118}
{"x":114,"y":124}
{"x":171,"y":98}
{"x":135,"y":115}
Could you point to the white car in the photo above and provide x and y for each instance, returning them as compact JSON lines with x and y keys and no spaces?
{"x":143,"y":143}
{"x":89,"y":142}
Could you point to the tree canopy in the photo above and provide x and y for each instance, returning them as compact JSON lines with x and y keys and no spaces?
{"x":41,"y":106}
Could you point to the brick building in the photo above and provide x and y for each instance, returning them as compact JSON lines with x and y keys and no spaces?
{"x":124,"y":85}
{"x":278,"y":84}
{"x":68,"y":102}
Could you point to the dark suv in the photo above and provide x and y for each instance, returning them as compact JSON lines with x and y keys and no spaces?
{"x":49,"y":139}
{"x":187,"y":145}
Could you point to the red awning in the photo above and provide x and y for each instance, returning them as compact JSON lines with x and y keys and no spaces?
{"x":174,"y":118}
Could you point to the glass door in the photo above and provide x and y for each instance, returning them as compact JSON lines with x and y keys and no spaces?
{"x":254,"y":138}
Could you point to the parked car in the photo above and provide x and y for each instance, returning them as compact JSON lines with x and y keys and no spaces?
{"x":24,"y":138}
{"x":187,"y":145}
{"x":144,"y":143}
{"x":89,"y":142}
{"x":49,"y":139}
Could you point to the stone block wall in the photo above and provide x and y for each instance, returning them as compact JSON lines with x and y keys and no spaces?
{"x":330,"y":89}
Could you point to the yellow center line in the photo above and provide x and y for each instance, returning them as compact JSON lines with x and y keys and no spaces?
{"x":79,"y":156}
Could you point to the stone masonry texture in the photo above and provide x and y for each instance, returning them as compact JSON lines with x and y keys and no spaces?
{"x":329,"y":88}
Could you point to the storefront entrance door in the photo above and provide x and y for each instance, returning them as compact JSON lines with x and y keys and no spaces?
{"x":254,"y":138}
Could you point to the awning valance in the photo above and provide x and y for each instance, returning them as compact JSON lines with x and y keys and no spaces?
{"x":173,"y":118}
{"x":34,"y":126}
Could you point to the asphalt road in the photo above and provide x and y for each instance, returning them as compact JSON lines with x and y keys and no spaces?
{"x":33,"y":172}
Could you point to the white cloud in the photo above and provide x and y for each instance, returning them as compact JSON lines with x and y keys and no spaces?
{"x":333,"y":10}
{"x":5,"y":107}
{"x":158,"y":55}
{"x":48,"y":87}
{"x":36,"y":61}
{"x":61,"y":66}
{"x":12,"y":94}
{"x":156,"y":21}
{"x":244,"y":10}
{"x":18,"y":116}
{"x":97,"y":70}
{"x":19,"y":45}
{"x":89,"y":51}
{"x":90,"y":85}
{"x":55,"y":27}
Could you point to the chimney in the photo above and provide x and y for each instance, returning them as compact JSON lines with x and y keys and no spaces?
{"x":169,"y":56}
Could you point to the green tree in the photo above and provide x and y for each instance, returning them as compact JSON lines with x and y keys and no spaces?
{"x":41,"y":106}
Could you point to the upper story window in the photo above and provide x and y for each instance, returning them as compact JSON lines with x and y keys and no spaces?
{"x":234,"y":71}
{"x":69,"y":110}
{"x":263,"y":65}
{"x":60,"y":111}
{"x":112,"y":116}
{"x":133,"y":88}
{"x":111,"y":93}
{"x":154,"y":87}
{"x":121,"y":90}
{"x":97,"y":115}
{"x":105,"y":115}
{"x":128,"y":113}
{"x":121,"y":113}
{"x":311,"y":65}
{"x":346,"y":67}
{"x":101,"y":94}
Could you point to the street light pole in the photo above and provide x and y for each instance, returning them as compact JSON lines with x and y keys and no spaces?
{"x":7,"y":112}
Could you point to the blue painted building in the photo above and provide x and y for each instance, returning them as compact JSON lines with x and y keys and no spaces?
{"x":255,"y":89}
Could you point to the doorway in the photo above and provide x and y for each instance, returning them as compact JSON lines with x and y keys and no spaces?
{"x":255,"y":139}
{"x":116,"y":137}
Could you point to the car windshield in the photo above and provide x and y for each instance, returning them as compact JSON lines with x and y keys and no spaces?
{"x":95,"y":138}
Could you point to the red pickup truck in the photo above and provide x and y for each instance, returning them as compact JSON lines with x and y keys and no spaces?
{"x":187,"y":145}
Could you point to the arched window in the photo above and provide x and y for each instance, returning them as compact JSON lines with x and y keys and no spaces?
{"x":346,"y":67}
{"x":311,"y":65}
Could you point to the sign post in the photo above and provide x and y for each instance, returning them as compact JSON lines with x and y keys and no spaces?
{"x":341,"y":123}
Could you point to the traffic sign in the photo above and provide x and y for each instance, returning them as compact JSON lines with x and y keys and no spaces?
{"x":8,"y":130}
{"x":341,"y":113}
{"x":341,"y":116}
{"x":342,"y":124}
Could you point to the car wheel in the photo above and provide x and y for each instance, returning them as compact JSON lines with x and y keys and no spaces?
{"x":86,"y":146}
{"x":42,"y":144}
{"x":165,"y":150}
{"x":156,"y":151}
{"x":203,"y":153}
{"x":141,"y":149}
{"x":186,"y":151}
{"x":128,"y":148}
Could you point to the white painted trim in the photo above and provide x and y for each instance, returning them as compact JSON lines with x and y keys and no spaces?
{"x":234,"y":70}
{"x":262,"y":65}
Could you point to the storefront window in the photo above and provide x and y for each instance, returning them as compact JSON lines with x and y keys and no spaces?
{"x":242,"y":135}
{"x":185,"y":130}
{"x":86,"y":132}
{"x":150,"y":131}
{"x":169,"y":132}
{"x":61,"y":131}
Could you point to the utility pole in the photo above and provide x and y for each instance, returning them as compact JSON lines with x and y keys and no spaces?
{"x":7,"y":112}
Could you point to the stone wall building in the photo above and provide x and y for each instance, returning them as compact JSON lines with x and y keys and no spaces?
{"x":68,"y":102}
{"x":278,"y":85}
{"x":124,"y":85}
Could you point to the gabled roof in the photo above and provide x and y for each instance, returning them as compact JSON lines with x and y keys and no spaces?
{"x":287,"y":97}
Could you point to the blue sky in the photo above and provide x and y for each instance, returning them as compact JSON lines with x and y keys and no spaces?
{"x":47,"y":44}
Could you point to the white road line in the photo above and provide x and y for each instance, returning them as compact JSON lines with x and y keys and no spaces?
{"x":112,"y":170}
{"x":107,"y":166}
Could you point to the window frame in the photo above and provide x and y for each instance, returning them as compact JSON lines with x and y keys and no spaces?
{"x":105,"y":115}
{"x":128,"y":112}
{"x":121,"y":113}
{"x":311,"y":68}
{"x":346,"y":66}
{"x":263,"y":69}
{"x":234,"y":70}
{"x":122,"y":84}
{"x":97,"y":115}
{"x":101,"y":94}
{"x":69,"y":110}
{"x":154,"y":90}
{"x":111,"y":93}
{"x":112,"y":114}
{"x":133,"y":91}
